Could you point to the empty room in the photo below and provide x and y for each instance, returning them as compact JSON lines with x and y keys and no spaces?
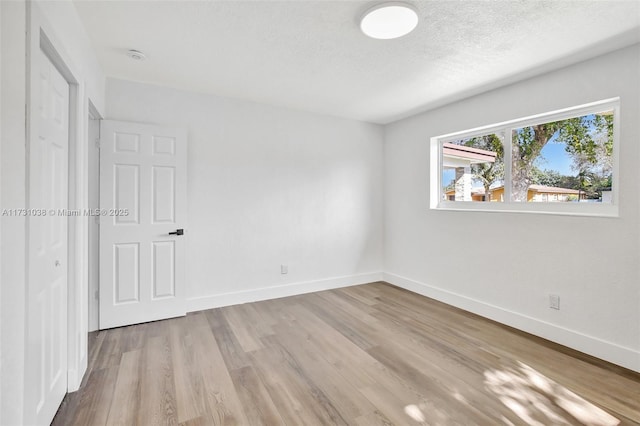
{"x":319,"y":212}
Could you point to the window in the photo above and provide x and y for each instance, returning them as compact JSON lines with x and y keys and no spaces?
{"x":472,"y":167}
{"x":558,"y":162}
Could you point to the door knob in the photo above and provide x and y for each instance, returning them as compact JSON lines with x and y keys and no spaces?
{"x":57,"y":263}
{"x":177,"y":232}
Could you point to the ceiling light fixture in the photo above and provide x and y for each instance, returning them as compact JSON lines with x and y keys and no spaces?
{"x":389,"y":20}
{"x":136,"y":55}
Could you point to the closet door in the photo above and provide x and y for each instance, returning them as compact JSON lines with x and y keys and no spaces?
{"x":46,"y":361}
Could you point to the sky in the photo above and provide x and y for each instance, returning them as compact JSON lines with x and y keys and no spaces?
{"x":554,"y":157}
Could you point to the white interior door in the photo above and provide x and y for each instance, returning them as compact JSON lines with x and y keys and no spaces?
{"x":143,"y":173}
{"x":46,"y":369}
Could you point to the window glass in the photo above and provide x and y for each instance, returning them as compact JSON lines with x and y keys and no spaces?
{"x":568,"y":160}
{"x":473,"y":169}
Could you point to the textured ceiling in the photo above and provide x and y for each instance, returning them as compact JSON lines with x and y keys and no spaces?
{"x":311,"y":55}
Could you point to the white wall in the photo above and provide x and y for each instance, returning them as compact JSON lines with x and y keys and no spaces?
{"x":70,"y":33}
{"x":1,"y":210}
{"x":504,"y":265}
{"x":12,"y":192}
{"x":67,"y":33}
{"x":268,"y":186}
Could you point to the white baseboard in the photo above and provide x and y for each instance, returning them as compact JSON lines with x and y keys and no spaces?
{"x":616,"y":354}
{"x":75,"y":375}
{"x":73,"y":381}
{"x":275,"y":292}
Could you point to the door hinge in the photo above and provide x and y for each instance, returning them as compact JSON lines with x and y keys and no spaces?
{"x":98,"y":143}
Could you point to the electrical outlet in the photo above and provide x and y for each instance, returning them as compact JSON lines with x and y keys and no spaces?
{"x":284,"y":269}
{"x":554,"y":301}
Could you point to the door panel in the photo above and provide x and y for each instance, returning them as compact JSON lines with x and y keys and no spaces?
{"x":127,"y":275}
{"x":164,"y":183}
{"x":142,"y":266}
{"x":46,"y":362}
{"x":163,"y":272}
{"x":127,"y":193}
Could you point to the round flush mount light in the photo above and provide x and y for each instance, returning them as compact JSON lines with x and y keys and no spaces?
{"x":136,"y":55}
{"x":389,"y":20}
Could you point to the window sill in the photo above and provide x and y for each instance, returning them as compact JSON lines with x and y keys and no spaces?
{"x":562,"y":209}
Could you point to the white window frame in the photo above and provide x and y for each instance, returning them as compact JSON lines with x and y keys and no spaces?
{"x":438,"y":202}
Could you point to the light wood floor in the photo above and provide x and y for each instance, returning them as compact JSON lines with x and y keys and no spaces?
{"x":366,"y":355}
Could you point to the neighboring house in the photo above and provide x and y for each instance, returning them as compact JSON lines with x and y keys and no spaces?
{"x":477,"y":194}
{"x":536,"y":193}
{"x":460,"y":158}
{"x":543,"y":193}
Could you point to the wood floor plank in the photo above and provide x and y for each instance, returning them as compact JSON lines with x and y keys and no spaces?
{"x":315,"y":369}
{"x":392,"y":406}
{"x":243,"y":329}
{"x":310,"y":404}
{"x":100,"y":387}
{"x":260,"y":324}
{"x":375,"y":418}
{"x":198,"y":421}
{"x":111,"y":350}
{"x":232,"y":352}
{"x":367,"y":355}
{"x":95,"y":341}
{"x":258,"y":405}
{"x":344,"y":355}
{"x":285,"y":395}
{"x":157,"y":388}
{"x":360,"y":329}
{"x":126,"y":394}
{"x":224,"y":407}
{"x":358,"y":293}
{"x":134,"y":337}
{"x":182,"y":360}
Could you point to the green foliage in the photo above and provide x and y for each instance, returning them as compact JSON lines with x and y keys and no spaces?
{"x":488,"y":173}
{"x":529,"y":141}
{"x":577,"y":135}
{"x":587,"y":139}
{"x":546,"y":177}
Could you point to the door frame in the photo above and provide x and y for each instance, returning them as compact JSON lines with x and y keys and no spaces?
{"x":93,"y":230}
{"x":40,"y":35}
